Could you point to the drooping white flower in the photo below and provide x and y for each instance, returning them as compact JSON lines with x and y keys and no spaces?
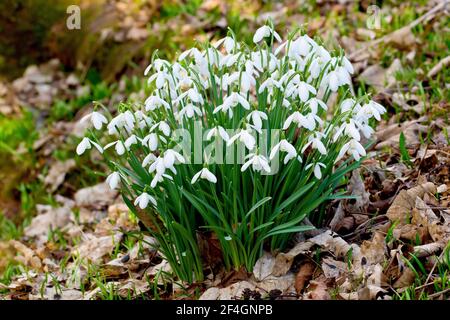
{"x":218,"y":131}
{"x":245,"y":137}
{"x":230,"y":102}
{"x":348,"y":128}
{"x":257,"y":117}
{"x":301,"y":46}
{"x":144,"y":199}
{"x":354,"y":148}
{"x":269,"y":84}
{"x":317,"y":170}
{"x":304,"y":90}
{"x":284,"y":146}
{"x":130,"y":141}
{"x":316,"y":143}
{"x":314,"y":103}
{"x":264,"y":32}
{"x":332,"y":80}
{"x":97,"y":119}
{"x":308,"y":122}
{"x":151,"y":140}
{"x":159,"y":178}
{"x":113,"y":180}
{"x":204,"y":174}
{"x":192,"y":94}
{"x":189,"y":111}
{"x":154,"y":102}
{"x":258,"y":163}
{"x":371,"y":109}
{"x":86,"y":144}
{"x":228,"y":43}
{"x":150,"y":158}
{"x":120,"y":147}
{"x":163,"y":127}
{"x":170,"y":157}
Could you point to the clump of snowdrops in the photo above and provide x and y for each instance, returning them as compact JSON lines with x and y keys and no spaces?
{"x":237,"y":141}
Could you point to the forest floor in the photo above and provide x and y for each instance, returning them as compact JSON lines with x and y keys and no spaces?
{"x":65,"y":235}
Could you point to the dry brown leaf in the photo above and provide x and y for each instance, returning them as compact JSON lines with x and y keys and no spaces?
{"x":264,"y":266}
{"x":57,"y":174}
{"x":228,"y":293}
{"x":47,"y":218}
{"x":318,"y":290}
{"x":333,"y":269}
{"x":406,"y":279}
{"x":426,"y":250}
{"x":284,"y":283}
{"x":379,"y":77}
{"x":389,"y":136}
{"x":283,"y":261}
{"x":375,"y":249}
{"x":95,"y":248}
{"x":96,"y":196}
{"x":403,"y":204}
{"x":303,"y":276}
{"x":28,"y":257}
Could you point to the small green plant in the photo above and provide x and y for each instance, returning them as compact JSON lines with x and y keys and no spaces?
{"x":404,"y":151}
{"x":202,"y":154}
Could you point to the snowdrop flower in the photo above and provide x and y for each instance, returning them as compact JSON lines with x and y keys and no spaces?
{"x":348,"y":105}
{"x":190,"y":110}
{"x":301,"y":46}
{"x":97,"y":119}
{"x":269,"y":84}
{"x":354,"y":148}
{"x":264,"y":32}
{"x":258,"y":163}
{"x":160,"y":78}
{"x":151,"y":140}
{"x":154,"y":102}
{"x":232,"y":101}
{"x":163,"y":127}
{"x":193,"y":95}
{"x":227,"y":238}
{"x":304,"y":89}
{"x":314,"y":103}
{"x":159,"y":178}
{"x":150,"y":158}
{"x":347,"y":65}
{"x":257,"y":117}
{"x":332,"y":80}
{"x":120,"y":147}
{"x":371,"y":109}
{"x":308,"y":122}
{"x":284,"y":146}
{"x":157,"y":166}
{"x":204,"y":174}
{"x":245,"y":137}
{"x":317,"y":171}
{"x":122,"y":120}
{"x":113,"y":180}
{"x":130,"y":141}
{"x":228,"y":43}
{"x":86,"y":144}
{"x":218,"y":131}
{"x":348,"y":128}
{"x":144,"y":199}
{"x":170,"y":157}
{"x":316,"y":143}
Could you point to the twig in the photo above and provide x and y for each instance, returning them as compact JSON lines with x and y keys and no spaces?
{"x":438,"y":67}
{"x":438,"y":293}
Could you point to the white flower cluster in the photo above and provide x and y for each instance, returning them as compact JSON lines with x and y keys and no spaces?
{"x":229,"y":86}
